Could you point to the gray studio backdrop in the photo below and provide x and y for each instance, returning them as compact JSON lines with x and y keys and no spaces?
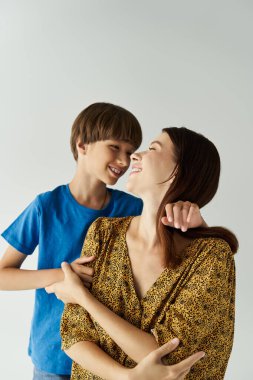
{"x":172,"y":63}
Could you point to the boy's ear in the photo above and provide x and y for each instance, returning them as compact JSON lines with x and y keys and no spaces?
{"x":81,"y":147}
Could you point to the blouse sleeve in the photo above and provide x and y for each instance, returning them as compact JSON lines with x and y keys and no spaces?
{"x":76,"y":323}
{"x":203,"y":311}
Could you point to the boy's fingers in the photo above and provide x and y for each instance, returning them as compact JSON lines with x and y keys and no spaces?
{"x":85,"y":278}
{"x":177,"y":214}
{"x":185,"y":213}
{"x":169,"y":213}
{"x":84,"y":259}
{"x":86,"y":284}
{"x":166,"y":348}
{"x":87,"y":271}
{"x":66,"y":269}
{"x":191,"y":211}
{"x":166,"y":222}
{"x":187,"y":363}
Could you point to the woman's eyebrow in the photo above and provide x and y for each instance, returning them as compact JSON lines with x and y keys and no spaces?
{"x":156,"y":142}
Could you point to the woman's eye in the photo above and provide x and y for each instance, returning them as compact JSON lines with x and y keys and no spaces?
{"x":115,"y":147}
{"x":151,"y":148}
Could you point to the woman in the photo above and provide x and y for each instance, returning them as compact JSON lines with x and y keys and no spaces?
{"x":153,"y":283}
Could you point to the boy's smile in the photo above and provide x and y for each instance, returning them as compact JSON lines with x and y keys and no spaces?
{"x":107,"y":160}
{"x":116,"y":171}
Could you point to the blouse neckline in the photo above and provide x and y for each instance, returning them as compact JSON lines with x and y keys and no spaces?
{"x":167,"y":271}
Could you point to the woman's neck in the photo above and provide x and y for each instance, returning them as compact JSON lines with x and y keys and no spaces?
{"x":145,"y":225}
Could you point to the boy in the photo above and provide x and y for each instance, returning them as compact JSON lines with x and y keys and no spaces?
{"x":102,"y":140}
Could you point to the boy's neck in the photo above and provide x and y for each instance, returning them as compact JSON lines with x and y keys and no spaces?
{"x":92,"y":194}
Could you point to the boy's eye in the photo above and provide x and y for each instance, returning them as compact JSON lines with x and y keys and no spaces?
{"x":151,"y":148}
{"x":114,"y":147}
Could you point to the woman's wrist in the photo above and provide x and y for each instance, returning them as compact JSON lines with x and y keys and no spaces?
{"x":128,"y":374}
{"x":131,"y":374}
{"x":83,"y":297}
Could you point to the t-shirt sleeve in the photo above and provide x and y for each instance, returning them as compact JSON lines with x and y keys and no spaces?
{"x":76,"y":322}
{"x":203,"y":311}
{"x":23,"y":233}
{"x":139,"y":207}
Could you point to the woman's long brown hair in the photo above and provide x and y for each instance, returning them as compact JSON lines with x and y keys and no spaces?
{"x":196,"y":180}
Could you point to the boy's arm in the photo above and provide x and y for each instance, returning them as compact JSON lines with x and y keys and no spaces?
{"x":14,"y":278}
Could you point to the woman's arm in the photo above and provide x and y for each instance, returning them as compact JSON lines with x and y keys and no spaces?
{"x":89,"y":356}
{"x":191,"y":326}
{"x":135,"y":342}
{"x":152,"y":366}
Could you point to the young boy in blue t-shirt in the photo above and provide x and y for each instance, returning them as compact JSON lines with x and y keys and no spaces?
{"x":103,"y":138}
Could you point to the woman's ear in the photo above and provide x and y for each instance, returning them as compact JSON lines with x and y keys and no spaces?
{"x":173,"y":175}
{"x":171,"y":180}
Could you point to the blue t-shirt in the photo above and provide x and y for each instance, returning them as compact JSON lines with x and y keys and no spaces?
{"x":57,"y":223}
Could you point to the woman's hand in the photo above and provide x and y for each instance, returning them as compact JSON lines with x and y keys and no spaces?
{"x":183,"y":215}
{"x":71,"y":289}
{"x":152,"y":367}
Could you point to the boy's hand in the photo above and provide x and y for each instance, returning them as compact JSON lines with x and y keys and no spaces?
{"x":85,"y":273}
{"x":183,"y":215}
{"x":152,"y":367}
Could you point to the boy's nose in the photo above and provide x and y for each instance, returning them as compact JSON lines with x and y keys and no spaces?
{"x":124,"y":160}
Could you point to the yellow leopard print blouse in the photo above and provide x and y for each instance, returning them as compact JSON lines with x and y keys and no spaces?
{"x":194,"y":302}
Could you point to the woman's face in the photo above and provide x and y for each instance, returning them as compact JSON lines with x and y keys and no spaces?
{"x":151,"y":168}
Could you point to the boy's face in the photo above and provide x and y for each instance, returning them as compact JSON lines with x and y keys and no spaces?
{"x":107,"y":160}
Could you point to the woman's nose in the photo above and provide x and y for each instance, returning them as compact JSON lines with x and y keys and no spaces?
{"x":136,"y":156}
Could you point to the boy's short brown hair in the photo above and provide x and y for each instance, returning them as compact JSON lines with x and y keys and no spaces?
{"x":105,"y":121}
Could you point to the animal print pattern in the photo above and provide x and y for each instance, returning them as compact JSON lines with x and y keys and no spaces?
{"x":194,"y":302}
